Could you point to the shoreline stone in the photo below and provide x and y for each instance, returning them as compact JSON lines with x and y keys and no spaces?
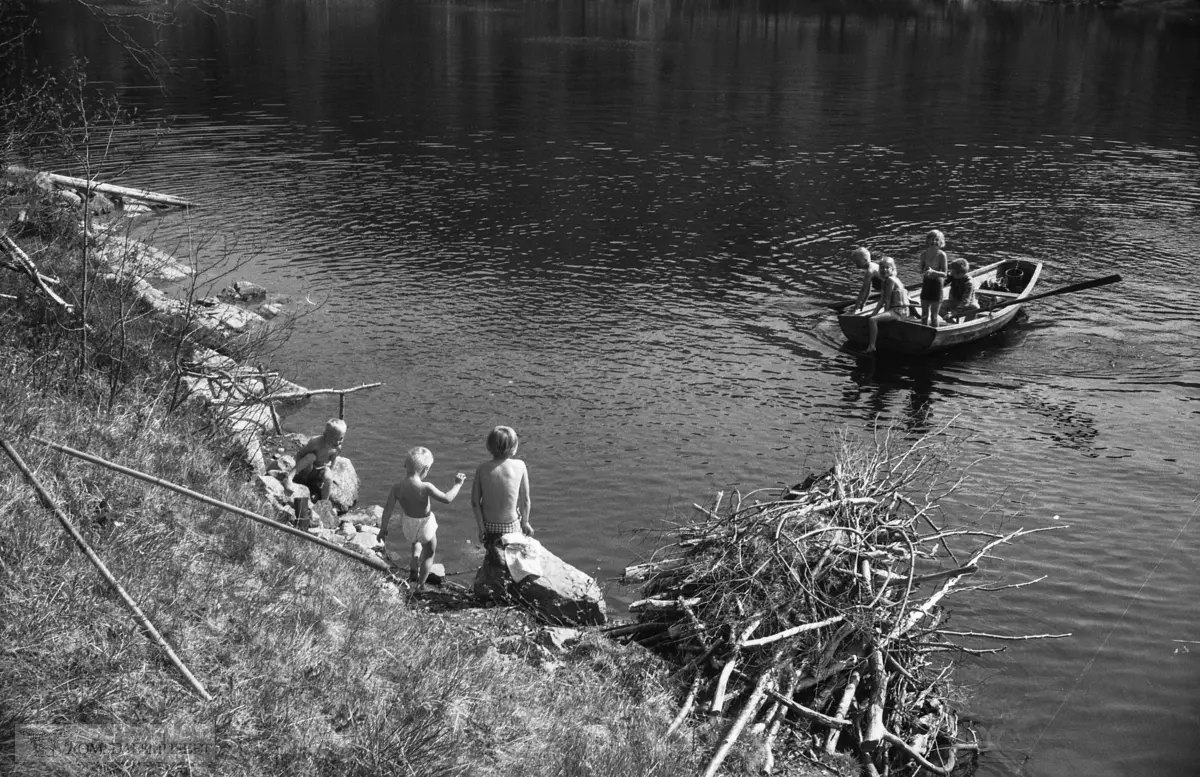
{"x":519,"y":569}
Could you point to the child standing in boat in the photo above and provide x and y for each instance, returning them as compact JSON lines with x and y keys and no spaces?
{"x":933,"y":275}
{"x":418,"y":522}
{"x":893,"y":301}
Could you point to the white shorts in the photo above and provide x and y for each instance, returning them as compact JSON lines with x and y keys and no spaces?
{"x":419,"y":529}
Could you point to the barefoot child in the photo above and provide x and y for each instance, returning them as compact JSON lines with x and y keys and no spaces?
{"x":500,"y":493}
{"x":870,"y":278}
{"x":313,"y":463}
{"x":418,"y":522}
{"x":893,"y":300}
{"x":933,"y":276}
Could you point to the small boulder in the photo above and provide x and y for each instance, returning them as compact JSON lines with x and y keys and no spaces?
{"x":272,"y":489}
{"x":324,"y":515}
{"x":245,"y":291}
{"x":365,"y":540}
{"x":519,"y":569}
{"x":343,"y":492}
{"x":348,"y":529}
{"x":365,"y":517}
{"x":269,"y":310}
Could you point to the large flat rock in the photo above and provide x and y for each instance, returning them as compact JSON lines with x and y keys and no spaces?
{"x":520,"y":570}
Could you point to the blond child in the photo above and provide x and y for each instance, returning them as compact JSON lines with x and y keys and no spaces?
{"x":960,"y":301}
{"x":500,"y":493}
{"x":870,"y":279}
{"x":893,"y":301}
{"x":418,"y":523}
{"x":933,"y":276}
{"x":314,"y":461}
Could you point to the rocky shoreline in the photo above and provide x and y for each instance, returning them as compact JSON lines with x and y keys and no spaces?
{"x":249,"y":403}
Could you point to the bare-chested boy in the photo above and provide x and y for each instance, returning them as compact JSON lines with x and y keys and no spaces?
{"x":500,"y":493}
{"x":313,"y":463}
{"x":418,"y":522}
{"x":871,"y":280}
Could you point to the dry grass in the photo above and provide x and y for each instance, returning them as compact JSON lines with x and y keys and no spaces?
{"x":317,"y":666}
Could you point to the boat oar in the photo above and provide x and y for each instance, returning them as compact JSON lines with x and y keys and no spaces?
{"x":1107,"y":279}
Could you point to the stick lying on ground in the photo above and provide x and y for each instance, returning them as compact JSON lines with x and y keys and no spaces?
{"x":371,"y":561}
{"x":24,"y":264}
{"x":91,"y":554}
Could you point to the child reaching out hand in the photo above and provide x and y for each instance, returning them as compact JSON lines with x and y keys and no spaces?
{"x":418,"y":522}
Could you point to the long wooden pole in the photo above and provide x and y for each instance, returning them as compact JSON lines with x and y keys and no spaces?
{"x":371,"y":561}
{"x":108,"y":576}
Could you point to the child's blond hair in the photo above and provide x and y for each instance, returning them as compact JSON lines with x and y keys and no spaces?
{"x":936,"y":236}
{"x":959,"y":265}
{"x":502,"y":441}
{"x":861,"y":253}
{"x":418,"y":460}
{"x":888,"y":262}
{"x":335,"y":425}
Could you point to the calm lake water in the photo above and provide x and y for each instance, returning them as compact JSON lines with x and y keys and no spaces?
{"x":619,"y":226}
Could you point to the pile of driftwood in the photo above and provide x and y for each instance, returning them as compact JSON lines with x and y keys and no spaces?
{"x":821,"y":611}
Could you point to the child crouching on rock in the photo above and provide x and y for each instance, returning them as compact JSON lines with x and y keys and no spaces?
{"x":314,"y":462}
{"x":418,"y":523}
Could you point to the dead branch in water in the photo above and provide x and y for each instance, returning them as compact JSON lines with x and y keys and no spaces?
{"x":821,"y":609}
{"x":313,"y":392}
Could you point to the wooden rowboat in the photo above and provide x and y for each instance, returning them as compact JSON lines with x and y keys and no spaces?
{"x":998,"y":308}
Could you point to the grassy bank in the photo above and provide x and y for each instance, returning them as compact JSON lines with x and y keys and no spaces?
{"x":315,"y":663}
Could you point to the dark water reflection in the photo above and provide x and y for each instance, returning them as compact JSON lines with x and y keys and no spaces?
{"x":620,"y":227}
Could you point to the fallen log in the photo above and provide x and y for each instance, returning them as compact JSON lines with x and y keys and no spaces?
{"x":107,"y":188}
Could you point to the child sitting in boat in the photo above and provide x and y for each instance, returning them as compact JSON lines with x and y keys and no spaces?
{"x":870,"y":279}
{"x":961,"y":304}
{"x":418,"y":522}
{"x":933,"y":275}
{"x":893,"y":301}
